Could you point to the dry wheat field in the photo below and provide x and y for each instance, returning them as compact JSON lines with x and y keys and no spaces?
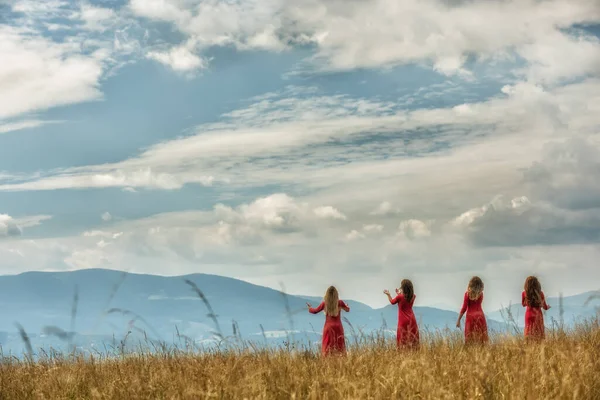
{"x":564,"y":366}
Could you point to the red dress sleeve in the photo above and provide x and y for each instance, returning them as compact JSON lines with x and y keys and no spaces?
{"x":396,"y":299}
{"x":523,"y":299}
{"x":465,"y":304}
{"x":318,"y":309}
{"x":343,"y":306}
{"x":545,"y":306}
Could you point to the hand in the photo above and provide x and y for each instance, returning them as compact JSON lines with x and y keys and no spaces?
{"x":386,"y":292}
{"x":458,"y":324}
{"x":397,"y":291}
{"x":308,"y":305}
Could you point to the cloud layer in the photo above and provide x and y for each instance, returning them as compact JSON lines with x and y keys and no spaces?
{"x":350,"y":185}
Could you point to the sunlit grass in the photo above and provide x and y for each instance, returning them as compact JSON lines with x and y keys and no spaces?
{"x":566,"y":365}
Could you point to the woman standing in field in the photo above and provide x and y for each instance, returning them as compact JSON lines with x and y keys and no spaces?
{"x":333,"y":331}
{"x":533,"y":298}
{"x":407,"y":333}
{"x":476,"y":331}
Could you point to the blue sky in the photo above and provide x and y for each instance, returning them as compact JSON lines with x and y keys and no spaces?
{"x":308,"y":143}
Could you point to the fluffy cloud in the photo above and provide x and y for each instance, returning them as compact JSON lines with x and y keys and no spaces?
{"x":520,"y":223}
{"x":8,"y":227}
{"x":97,"y":18}
{"x":329,"y":212}
{"x":414,"y":229}
{"x":387,"y":32}
{"x":180,"y":58}
{"x":37,"y":73}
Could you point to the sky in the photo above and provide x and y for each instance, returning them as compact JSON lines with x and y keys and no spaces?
{"x":305,"y":143}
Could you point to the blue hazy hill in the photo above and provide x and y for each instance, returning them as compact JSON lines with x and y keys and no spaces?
{"x":159,"y":306}
{"x":575,"y":309}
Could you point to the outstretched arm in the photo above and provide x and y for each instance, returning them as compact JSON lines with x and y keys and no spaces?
{"x":389,"y":296}
{"x":317,"y":310}
{"x":344,"y":306}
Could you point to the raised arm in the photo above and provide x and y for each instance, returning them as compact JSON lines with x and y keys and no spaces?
{"x":316,"y":310}
{"x":545,"y":306}
{"x":343,"y":306}
{"x":389,"y":296}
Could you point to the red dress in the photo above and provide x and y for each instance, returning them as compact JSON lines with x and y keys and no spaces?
{"x":333,"y":331}
{"x":407,"y":334}
{"x":534,"y":318}
{"x":475,"y":324}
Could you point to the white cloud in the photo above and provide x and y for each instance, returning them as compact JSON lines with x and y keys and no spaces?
{"x":180,"y":58}
{"x":377,"y":33}
{"x":97,"y":18}
{"x":328,"y":212}
{"x":20,"y":125}
{"x":37,"y":73}
{"x":521,"y":223}
{"x":280,"y":140}
{"x":414,"y":229}
{"x":354,"y":235}
{"x":373,"y":228}
{"x":385,"y":208}
{"x":10,"y":227}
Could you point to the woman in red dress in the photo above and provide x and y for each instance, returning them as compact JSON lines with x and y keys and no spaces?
{"x":333,"y":331}
{"x":533,"y":298}
{"x":407,"y":334}
{"x":476,"y":331}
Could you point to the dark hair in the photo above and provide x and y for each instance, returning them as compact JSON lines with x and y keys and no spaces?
{"x":475,"y":288}
{"x":533,"y":291}
{"x":406,"y":287}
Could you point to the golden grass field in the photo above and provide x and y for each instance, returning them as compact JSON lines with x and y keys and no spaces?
{"x":564,"y":366}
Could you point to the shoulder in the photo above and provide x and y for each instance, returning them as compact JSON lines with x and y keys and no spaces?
{"x":341,"y":303}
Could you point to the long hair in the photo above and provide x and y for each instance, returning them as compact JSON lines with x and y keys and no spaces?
{"x":407,"y":289}
{"x":533,"y":291}
{"x":475,"y":288}
{"x":331,"y":300}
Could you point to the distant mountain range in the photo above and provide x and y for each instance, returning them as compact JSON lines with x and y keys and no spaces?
{"x":110,"y":304}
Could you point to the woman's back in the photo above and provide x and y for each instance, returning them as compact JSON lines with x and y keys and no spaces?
{"x":331,"y":318}
{"x":472,"y":306}
{"x":404,"y":306}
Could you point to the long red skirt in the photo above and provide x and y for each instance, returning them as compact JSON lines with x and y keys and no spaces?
{"x":476,"y":331}
{"x":407,"y":334}
{"x":534,"y":324}
{"x":333,"y":339}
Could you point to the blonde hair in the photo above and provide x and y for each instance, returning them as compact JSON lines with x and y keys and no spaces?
{"x":475,"y":288}
{"x":331,"y":299}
